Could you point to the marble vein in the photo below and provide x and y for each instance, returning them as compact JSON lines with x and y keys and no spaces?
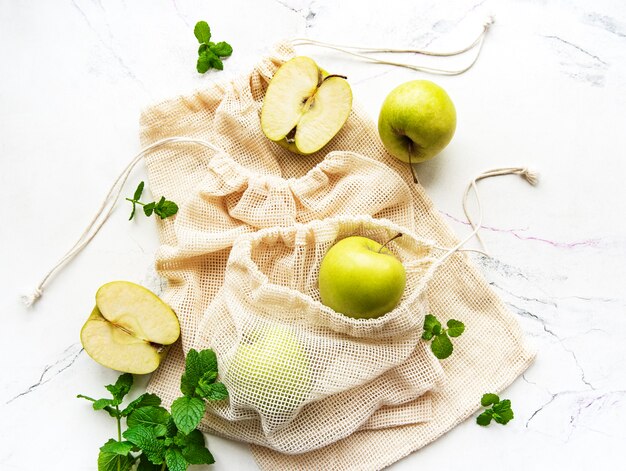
{"x":606,"y":23}
{"x":109,"y":47}
{"x":51,"y":371}
{"x":584,"y":51}
{"x":515,"y":233}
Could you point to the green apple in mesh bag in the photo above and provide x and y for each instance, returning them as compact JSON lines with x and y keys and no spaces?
{"x":361,"y":278}
{"x":417,"y":120}
{"x":270,"y":371}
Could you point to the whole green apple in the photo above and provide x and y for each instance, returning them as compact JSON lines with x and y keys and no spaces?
{"x":360,"y":278}
{"x":270,"y":371}
{"x":417,"y":121}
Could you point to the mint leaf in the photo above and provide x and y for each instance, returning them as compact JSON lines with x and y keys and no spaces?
{"x":212,"y":392}
{"x":166,"y":209}
{"x":132,"y":212}
{"x":216,"y":63}
{"x":193,"y":438}
{"x":484,"y":419}
{"x":198,"y":454}
{"x":146,"y":465}
{"x":148,"y":208}
{"x":203,"y":64}
{"x":114,"y":462}
{"x":120,"y":388}
{"x":430,"y":322}
{"x":144,"y":400}
{"x":202,"y":48}
{"x":427,"y":335}
{"x":441,"y":346}
{"x":102,"y":404}
{"x":118,"y":448}
{"x":187,"y":413}
{"x":489,"y":399}
{"x":202,"y":32}
{"x":222,"y":49}
{"x":138,"y":191}
{"x":197,"y":364}
{"x":175,"y":460}
{"x":151,"y":416}
{"x":500,"y":411}
{"x":455,"y":328}
{"x":145,"y":438}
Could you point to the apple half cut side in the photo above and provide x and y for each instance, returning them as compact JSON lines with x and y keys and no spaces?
{"x":129,"y":329}
{"x":304,"y":106}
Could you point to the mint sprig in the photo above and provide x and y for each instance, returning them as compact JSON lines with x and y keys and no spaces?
{"x":210,"y":54}
{"x":163,"y":208}
{"x":441,"y":344}
{"x":156,"y":439}
{"x":500,"y":411}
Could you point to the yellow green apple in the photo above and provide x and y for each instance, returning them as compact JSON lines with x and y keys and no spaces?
{"x":304,"y":106}
{"x":361,"y":278}
{"x":270,"y":371}
{"x":129,"y":329}
{"x":417,"y":121}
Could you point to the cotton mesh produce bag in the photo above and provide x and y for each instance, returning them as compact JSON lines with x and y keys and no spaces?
{"x":252,"y":184}
{"x":294,"y":366}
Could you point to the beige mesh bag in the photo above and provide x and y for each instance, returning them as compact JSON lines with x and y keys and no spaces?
{"x":292,"y":366}
{"x":244,"y":183}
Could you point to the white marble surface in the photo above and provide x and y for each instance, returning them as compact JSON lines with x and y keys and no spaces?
{"x":549,"y":91}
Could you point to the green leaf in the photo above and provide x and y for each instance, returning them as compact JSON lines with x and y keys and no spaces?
{"x":148,"y":208}
{"x":146,"y":465}
{"x":100,"y":404}
{"x":175,"y":460}
{"x":118,"y":448}
{"x":187,"y":413}
{"x":144,"y":400}
{"x":427,"y":335}
{"x":166,"y":209}
{"x":202,"y":48}
{"x":203,"y":63}
{"x":150,"y":416}
{"x":212,"y":392}
{"x":120,"y":388}
{"x":502,"y":412}
{"x":222,"y":49}
{"x":138,"y":192}
{"x":455,"y":328}
{"x":193,"y":438}
{"x":489,"y":399}
{"x":132,"y":212}
{"x":430,"y":321}
{"x":145,"y":438}
{"x":197,"y":454}
{"x":503,"y":417}
{"x":441,"y":346}
{"x":484,"y":419}
{"x":202,"y":32}
{"x":171,"y":428}
{"x":216,"y":63}
{"x":114,"y":462}
{"x":197,"y":365}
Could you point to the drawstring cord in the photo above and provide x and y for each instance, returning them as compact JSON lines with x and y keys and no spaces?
{"x":351,"y":50}
{"x":528,"y":175}
{"x":104,"y":211}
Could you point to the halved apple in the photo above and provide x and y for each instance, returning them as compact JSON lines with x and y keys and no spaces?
{"x":304,"y":106}
{"x":129,"y":329}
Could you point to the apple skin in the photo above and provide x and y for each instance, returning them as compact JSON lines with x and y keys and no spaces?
{"x":358,"y":281}
{"x":417,"y":118}
{"x":270,"y":371}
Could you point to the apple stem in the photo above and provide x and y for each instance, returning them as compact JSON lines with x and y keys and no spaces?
{"x":334,"y":75}
{"x":411,"y":164}
{"x":399,"y":234}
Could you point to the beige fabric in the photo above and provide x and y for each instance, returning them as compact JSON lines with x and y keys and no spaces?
{"x":344,"y":367}
{"x":256,"y":184}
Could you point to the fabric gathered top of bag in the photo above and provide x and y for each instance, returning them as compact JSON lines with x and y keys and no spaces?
{"x":241,"y":259}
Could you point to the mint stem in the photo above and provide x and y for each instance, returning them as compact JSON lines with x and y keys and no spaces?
{"x":136,"y":201}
